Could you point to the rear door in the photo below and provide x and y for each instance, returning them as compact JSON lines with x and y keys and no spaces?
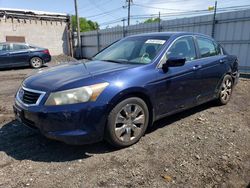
{"x":20,"y":54}
{"x":5,"y":55}
{"x":212,"y":67}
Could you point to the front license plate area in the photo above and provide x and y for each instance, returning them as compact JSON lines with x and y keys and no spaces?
{"x":19,"y":114}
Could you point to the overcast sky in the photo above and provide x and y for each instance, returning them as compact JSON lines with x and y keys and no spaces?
{"x":102,"y":8}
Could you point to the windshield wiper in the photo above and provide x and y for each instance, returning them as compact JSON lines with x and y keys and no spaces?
{"x":89,"y":58}
{"x":112,"y":61}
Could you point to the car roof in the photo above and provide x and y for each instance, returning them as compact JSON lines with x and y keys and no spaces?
{"x":170,"y":34}
{"x":13,"y":43}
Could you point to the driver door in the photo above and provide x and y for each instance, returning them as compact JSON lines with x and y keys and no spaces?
{"x":176,"y":88}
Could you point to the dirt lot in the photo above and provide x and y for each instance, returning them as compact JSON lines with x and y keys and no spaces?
{"x":208,"y":146}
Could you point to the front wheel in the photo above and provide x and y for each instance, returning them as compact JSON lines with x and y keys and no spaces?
{"x":127,"y":122}
{"x":36,"y":62}
{"x":226,"y":89}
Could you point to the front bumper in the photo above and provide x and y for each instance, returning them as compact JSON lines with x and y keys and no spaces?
{"x":73,"y":124}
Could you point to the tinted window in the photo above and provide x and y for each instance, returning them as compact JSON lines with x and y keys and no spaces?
{"x":19,"y":47}
{"x":183,"y":48}
{"x":207,"y":47}
{"x":4,"y":47}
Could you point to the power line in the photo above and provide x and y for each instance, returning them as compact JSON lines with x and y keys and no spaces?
{"x":193,"y":12}
{"x":158,"y":8}
{"x":99,"y":8}
{"x":181,"y":10}
{"x":104,"y":13}
{"x":183,"y":13}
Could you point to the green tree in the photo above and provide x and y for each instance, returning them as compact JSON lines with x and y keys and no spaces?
{"x":152,"y":20}
{"x":85,"y":25}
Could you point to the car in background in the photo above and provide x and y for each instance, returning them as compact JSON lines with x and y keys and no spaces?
{"x":22,"y":54}
{"x":126,"y":88}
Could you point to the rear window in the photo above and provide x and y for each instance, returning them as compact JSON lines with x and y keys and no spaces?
{"x":19,"y":47}
{"x":207,"y":47}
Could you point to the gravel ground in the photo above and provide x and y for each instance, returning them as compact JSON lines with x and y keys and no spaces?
{"x":207,"y":146}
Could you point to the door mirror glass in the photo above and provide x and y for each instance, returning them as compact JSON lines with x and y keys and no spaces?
{"x":173,"y":62}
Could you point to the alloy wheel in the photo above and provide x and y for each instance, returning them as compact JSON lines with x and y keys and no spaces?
{"x":129,"y":122}
{"x":226,"y":89}
{"x":36,"y":62}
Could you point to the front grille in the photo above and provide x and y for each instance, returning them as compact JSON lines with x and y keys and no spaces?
{"x":29,"y":96}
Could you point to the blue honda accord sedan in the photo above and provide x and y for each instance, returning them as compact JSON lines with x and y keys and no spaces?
{"x":126,"y":87}
{"x":22,"y":54}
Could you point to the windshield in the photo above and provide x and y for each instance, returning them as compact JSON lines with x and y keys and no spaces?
{"x":134,"y":50}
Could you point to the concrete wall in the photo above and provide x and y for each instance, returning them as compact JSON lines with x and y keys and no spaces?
{"x":47,"y":34}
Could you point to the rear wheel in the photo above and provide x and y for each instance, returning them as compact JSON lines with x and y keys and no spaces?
{"x":36,"y":62}
{"x":127,"y":122}
{"x":226,"y":89}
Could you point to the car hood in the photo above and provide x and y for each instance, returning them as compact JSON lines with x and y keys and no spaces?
{"x":72,"y":75}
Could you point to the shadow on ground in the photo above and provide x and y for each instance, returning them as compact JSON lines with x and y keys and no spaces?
{"x":21,"y":143}
{"x":20,"y":68}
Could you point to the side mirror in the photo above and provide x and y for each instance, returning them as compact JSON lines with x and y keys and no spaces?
{"x":173,"y":62}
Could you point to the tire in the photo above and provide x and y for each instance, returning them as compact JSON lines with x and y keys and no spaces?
{"x":225,"y":91}
{"x":36,"y":62}
{"x":127,"y":122}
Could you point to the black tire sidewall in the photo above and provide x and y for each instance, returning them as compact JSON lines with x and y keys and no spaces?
{"x":110,"y":135}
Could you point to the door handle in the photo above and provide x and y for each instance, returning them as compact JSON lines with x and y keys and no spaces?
{"x":196,"y":67}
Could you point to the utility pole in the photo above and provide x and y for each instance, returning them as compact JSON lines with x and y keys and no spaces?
{"x":129,"y":4}
{"x":159,"y":23}
{"x":214,"y":19}
{"x":123,"y":27}
{"x":78,"y":30}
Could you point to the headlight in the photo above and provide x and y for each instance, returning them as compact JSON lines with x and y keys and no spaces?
{"x":77,"y":95}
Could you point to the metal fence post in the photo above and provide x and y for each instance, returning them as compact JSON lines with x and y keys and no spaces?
{"x":81,"y":47}
{"x":159,"y":22}
{"x":123,"y":28}
{"x":98,"y":40}
{"x":214,"y":19}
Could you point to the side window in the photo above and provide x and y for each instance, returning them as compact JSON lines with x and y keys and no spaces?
{"x":182,"y":48}
{"x":19,"y":47}
{"x":207,"y":47}
{"x":218,"y":49}
{"x":4,"y":47}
